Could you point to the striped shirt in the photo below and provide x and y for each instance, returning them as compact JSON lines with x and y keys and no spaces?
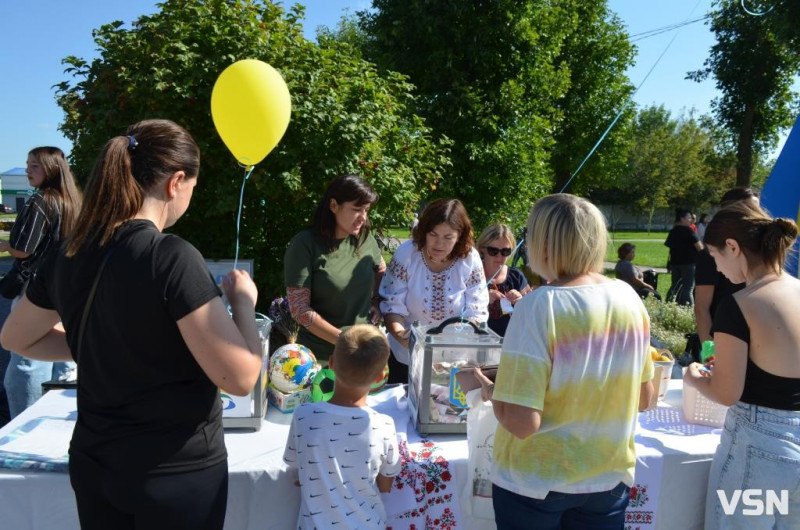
{"x":579,"y":355}
{"x":35,"y":231}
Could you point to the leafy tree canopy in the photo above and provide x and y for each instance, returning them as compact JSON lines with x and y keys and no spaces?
{"x":346,"y":118}
{"x":754,"y":61}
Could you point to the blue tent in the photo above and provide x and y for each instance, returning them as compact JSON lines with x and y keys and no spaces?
{"x":781,"y":193}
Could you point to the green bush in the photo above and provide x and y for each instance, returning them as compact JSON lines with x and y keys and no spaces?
{"x":669,"y":323}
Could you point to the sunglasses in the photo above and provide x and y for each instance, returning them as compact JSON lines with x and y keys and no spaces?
{"x":493,"y":251}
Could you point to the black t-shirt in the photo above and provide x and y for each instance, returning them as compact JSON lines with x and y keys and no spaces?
{"x":144,"y":404}
{"x":681,"y":240}
{"x":760,"y":387}
{"x":705,"y":273}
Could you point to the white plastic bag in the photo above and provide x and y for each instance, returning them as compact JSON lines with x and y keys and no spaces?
{"x":481,"y":426}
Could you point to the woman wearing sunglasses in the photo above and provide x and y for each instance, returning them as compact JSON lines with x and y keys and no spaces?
{"x":495,"y":245}
{"x":434,"y":276}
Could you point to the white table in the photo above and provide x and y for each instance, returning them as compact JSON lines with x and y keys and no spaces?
{"x":672,"y":464}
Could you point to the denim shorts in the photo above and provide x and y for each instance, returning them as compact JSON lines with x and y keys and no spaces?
{"x":759,"y":450}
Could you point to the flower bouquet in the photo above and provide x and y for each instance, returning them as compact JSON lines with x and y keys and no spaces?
{"x":283,"y":320}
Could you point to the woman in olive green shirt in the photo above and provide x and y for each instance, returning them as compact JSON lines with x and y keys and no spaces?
{"x":332,"y":270}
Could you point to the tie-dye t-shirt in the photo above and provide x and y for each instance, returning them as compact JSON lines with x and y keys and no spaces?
{"x":579,"y":355}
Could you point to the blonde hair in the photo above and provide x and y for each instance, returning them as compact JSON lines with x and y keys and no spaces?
{"x":495,"y":231}
{"x":567,"y":236}
{"x":361,"y":352}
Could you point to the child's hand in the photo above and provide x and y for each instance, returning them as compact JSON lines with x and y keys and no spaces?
{"x":297,"y":482}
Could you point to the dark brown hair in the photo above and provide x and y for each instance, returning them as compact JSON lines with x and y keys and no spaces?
{"x":360,"y":354}
{"x":128,"y":168}
{"x":739,"y":193}
{"x":348,"y":188}
{"x":58,"y":188}
{"x":625,"y":249}
{"x":452,"y":213}
{"x":762,"y":238}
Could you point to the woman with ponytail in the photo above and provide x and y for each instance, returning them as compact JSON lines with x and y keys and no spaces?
{"x":757,"y":367}
{"x":153,"y":341}
{"x":47,"y":218}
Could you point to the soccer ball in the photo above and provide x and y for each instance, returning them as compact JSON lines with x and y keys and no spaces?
{"x":292,"y":367}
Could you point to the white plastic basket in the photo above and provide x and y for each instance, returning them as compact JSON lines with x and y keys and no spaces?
{"x":700,"y":410}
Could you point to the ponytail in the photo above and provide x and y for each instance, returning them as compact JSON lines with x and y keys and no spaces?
{"x":777,"y":240}
{"x":761,"y":238}
{"x":126,"y":170}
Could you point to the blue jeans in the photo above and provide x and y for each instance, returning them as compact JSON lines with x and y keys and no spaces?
{"x":759,"y":449}
{"x":604,"y":510}
{"x":682,"y":288}
{"x":24,"y":378}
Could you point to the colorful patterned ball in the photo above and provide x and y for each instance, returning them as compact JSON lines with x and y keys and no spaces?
{"x":292,"y":367}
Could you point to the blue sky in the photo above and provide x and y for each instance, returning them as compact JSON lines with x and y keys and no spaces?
{"x":37,"y":34}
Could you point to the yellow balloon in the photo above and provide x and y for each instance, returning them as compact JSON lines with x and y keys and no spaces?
{"x":251,"y":106}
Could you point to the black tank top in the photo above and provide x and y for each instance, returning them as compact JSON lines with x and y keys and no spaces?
{"x":760,"y":387}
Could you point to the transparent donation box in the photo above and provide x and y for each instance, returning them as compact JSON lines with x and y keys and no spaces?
{"x":246,"y":412}
{"x":436,"y":402}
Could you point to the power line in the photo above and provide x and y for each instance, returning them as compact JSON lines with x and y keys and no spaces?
{"x":665,"y":29}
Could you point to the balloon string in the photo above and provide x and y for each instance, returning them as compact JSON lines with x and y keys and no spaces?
{"x":247,"y":171}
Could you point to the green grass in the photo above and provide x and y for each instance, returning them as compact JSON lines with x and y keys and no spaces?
{"x":621,"y":237}
{"x":401,"y":233}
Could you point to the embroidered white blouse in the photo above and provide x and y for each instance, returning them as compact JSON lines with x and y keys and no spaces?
{"x":409,"y":288}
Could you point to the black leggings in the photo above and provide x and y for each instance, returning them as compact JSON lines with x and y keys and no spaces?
{"x":191,"y":500}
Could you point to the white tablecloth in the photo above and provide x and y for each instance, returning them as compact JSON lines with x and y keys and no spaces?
{"x":673,"y":460}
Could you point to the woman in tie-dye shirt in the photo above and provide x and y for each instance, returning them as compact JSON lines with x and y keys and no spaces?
{"x":574,"y":372}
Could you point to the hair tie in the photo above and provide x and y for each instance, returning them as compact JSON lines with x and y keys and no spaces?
{"x":132,"y":143}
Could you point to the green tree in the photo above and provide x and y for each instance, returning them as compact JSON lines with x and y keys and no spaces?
{"x":346,"y":118}
{"x":487,"y":78}
{"x":754,"y":66}
{"x":669,"y":164}
{"x":596,"y":52}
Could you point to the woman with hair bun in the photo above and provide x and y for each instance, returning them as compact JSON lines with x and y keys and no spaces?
{"x":757,"y":366}
{"x":145,"y":321}
{"x":47,"y":218}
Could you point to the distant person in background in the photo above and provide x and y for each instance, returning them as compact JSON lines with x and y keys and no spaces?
{"x":702,"y":224}
{"x":631,"y":274}
{"x":495,"y":245}
{"x":47,"y":218}
{"x":711,"y":286}
{"x":683,"y":246}
{"x":757,"y":368}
